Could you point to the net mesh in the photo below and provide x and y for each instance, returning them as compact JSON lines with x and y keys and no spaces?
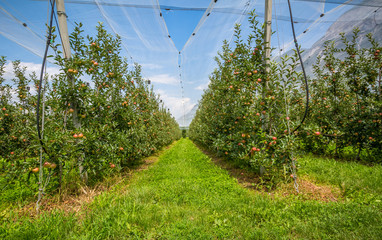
{"x":180,"y":69}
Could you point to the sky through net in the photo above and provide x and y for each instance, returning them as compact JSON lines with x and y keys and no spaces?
{"x":175,"y":42}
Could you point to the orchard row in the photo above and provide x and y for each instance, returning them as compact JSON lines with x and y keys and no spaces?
{"x":250,"y":110}
{"x":98,"y":115}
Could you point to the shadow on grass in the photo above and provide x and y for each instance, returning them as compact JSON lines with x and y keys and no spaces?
{"x":247,"y":178}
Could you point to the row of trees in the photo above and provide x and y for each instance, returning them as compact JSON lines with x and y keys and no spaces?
{"x":250,"y":110}
{"x":248,"y":113}
{"x":347,"y":101}
{"x":98,"y":116}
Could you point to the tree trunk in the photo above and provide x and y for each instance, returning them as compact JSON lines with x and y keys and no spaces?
{"x":359,"y":151}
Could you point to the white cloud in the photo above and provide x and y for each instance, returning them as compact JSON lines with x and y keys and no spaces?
{"x":203,"y":86}
{"x":177,"y":105}
{"x":164,"y":79}
{"x":30,"y":67}
{"x":150,"y":66}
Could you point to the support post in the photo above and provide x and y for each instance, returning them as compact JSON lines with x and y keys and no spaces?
{"x":268,"y":32}
{"x":67,"y":54}
{"x":66,"y":49}
{"x":63,"y":28}
{"x":267,"y":54}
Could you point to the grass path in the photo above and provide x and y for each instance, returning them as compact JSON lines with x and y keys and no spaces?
{"x":185,"y":196}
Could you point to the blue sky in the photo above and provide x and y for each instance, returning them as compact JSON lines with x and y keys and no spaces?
{"x":145,"y":37}
{"x":180,"y":24}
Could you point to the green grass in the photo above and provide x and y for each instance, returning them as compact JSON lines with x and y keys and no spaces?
{"x":185,"y":196}
{"x":357,"y":182}
{"x":14,"y":193}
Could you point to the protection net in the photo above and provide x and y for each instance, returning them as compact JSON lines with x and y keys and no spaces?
{"x":175,"y":41}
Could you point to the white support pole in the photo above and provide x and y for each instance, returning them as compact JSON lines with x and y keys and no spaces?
{"x":67,"y":54}
{"x":268,"y":32}
{"x":267,"y":55}
{"x":66,"y":48}
{"x":63,"y":28}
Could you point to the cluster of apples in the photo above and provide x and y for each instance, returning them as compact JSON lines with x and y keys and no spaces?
{"x":46,"y":165}
{"x":80,"y":135}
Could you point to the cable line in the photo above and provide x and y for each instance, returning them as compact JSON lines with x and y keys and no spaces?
{"x":41,"y":77}
{"x":303,"y":70}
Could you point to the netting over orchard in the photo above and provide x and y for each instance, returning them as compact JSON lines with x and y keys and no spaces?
{"x":184,"y":70}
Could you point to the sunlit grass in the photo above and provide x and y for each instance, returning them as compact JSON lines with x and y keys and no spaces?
{"x":356,"y":181}
{"x":185,"y":196}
